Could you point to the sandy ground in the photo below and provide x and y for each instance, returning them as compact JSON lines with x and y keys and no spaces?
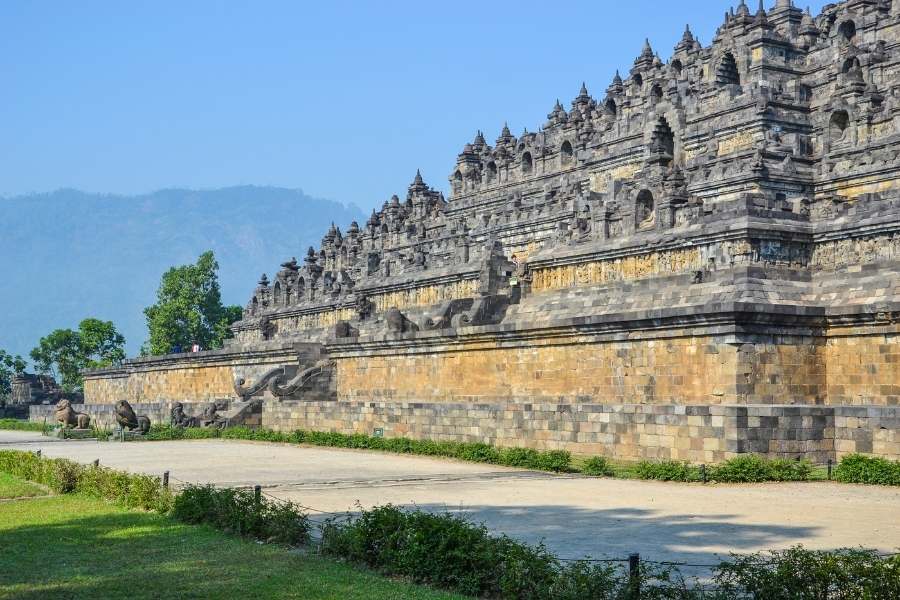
{"x":573,"y":516}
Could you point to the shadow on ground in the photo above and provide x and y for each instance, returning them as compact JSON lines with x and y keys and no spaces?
{"x":574,"y":533}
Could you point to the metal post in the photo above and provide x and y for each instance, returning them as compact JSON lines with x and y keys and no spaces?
{"x":830,"y":466}
{"x":703,"y":473}
{"x":257,"y":491}
{"x":634,"y":576}
{"x":166,"y":480}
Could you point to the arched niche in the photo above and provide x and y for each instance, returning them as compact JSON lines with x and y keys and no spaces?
{"x":527,"y":163}
{"x":644,"y":210}
{"x":566,"y":153}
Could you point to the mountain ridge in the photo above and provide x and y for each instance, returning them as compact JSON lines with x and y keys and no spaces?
{"x":69,"y":254}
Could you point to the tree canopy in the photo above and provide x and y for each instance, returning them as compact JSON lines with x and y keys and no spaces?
{"x":9,"y":367}
{"x":189,"y":309}
{"x":64,"y":353}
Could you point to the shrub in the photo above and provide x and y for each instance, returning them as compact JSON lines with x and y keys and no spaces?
{"x":858,"y":468}
{"x":22,"y":425}
{"x":553,"y":460}
{"x":667,"y":470}
{"x":753,"y":469}
{"x":802,"y":574}
{"x":596,"y":466}
{"x":449,"y":552}
{"x":238,"y":511}
{"x":65,"y":476}
{"x":483,"y":453}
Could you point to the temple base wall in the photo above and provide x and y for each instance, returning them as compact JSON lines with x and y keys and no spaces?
{"x":683,"y":394}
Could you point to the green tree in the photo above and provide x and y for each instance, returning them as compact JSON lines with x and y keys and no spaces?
{"x":189,"y":309}
{"x":10,"y":366}
{"x":64,"y":352}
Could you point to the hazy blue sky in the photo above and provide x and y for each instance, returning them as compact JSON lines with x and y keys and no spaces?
{"x":344,"y":100}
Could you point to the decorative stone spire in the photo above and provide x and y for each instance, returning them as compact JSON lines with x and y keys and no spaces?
{"x":264,"y":281}
{"x":743,"y":10}
{"x":646,"y":57}
{"x":616,"y":86}
{"x":761,"y":19}
{"x":505,"y":135}
{"x":479,"y":142}
{"x":583,"y":96}
{"x":808,"y":25}
{"x":687,"y":40}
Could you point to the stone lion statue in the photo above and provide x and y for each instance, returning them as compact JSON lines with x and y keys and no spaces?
{"x":126,"y":418}
{"x":180,"y":419}
{"x":69,"y":417}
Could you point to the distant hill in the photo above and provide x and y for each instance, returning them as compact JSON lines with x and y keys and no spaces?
{"x":67,"y":255}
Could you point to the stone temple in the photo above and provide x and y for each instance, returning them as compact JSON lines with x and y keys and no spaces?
{"x":701,"y":260}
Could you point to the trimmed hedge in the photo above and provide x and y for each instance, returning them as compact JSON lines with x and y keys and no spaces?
{"x":22,"y":425}
{"x":237,"y":511}
{"x":858,"y":468}
{"x":548,"y":460}
{"x":741,"y":469}
{"x":65,"y":476}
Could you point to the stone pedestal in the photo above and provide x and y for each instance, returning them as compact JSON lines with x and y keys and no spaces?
{"x":64,"y":433}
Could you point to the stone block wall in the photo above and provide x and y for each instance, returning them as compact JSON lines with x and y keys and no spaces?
{"x":864,"y":369}
{"x":197,"y":377}
{"x":868,"y":430}
{"x":694,"y":370}
{"x":625,"y":431}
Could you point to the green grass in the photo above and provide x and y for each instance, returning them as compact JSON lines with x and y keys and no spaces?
{"x":13,"y":487}
{"x":22,"y":425}
{"x":77,"y":547}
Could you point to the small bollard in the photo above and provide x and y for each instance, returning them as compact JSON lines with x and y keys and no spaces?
{"x":38,"y":453}
{"x":96,"y":462}
{"x":166,"y":480}
{"x":703,"y":473}
{"x":257,"y":491}
{"x":830,"y":467}
{"x":634,"y":576}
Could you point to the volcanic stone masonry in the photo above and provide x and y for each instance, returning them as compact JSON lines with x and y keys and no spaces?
{"x":701,"y":261}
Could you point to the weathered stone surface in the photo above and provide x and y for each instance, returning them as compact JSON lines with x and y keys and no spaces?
{"x":716,"y":232}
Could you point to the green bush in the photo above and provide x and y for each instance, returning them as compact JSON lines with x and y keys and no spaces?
{"x":741,"y":469}
{"x":858,"y":468}
{"x":65,"y":476}
{"x":451,"y":553}
{"x":753,"y":469}
{"x":596,"y":466}
{"x":237,"y":511}
{"x":22,"y":425}
{"x":802,"y":574}
{"x":667,"y":470}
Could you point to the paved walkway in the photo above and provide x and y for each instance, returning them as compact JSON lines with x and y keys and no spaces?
{"x":574,"y":516}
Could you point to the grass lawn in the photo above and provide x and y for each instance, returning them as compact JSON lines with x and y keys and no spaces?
{"x":13,"y":487}
{"x":77,"y":547}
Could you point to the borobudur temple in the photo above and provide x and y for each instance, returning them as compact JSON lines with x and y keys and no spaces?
{"x":699,"y":261}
